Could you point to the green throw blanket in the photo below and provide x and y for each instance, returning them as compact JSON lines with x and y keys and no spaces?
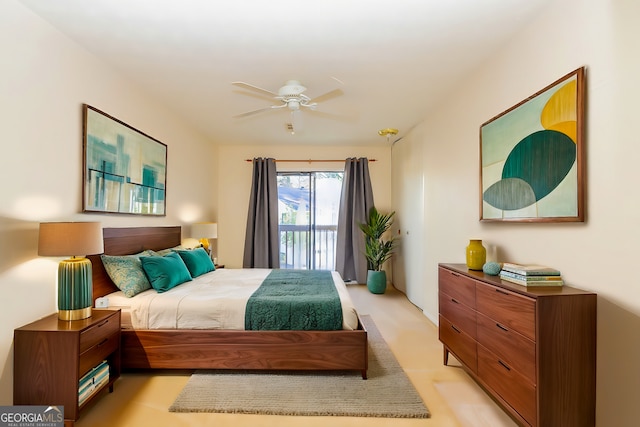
{"x":295,"y":300}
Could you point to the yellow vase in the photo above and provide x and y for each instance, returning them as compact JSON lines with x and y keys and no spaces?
{"x":476,"y":254}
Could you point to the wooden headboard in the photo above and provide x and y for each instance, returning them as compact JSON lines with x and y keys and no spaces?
{"x":127,"y":241}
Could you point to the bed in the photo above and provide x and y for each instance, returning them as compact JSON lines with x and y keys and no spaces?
{"x":222,"y":348}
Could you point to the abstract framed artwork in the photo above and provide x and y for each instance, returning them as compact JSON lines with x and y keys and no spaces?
{"x":124,"y":170}
{"x":531,"y":157}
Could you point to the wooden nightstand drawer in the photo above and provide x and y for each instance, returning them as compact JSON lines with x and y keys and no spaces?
{"x":97,"y":333}
{"x":92,"y":357}
{"x":512,"y":310}
{"x":457,"y":286}
{"x":512,"y":348}
{"x":461,"y":344}
{"x":459,"y":314}
{"x":508,"y":383}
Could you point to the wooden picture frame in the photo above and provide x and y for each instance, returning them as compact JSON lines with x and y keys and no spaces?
{"x":531,"y":157}
{"x":124,"y":170}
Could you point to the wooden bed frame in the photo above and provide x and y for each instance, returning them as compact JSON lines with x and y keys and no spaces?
{"x":222,"y":349}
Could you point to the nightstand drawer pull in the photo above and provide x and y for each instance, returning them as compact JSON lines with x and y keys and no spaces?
{"x":500,"y":291}
{"x":504,"y":365}
{"x":97,"y":333}
{"x":455,"y":301}
{"x":455,"y":329}
{"x":101,"y":343}
{"x":504,"y":328}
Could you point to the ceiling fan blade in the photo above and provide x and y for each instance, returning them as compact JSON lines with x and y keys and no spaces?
{"x":259,"y":110}
{"x":327,"y":96}
{"x":255,"y":88}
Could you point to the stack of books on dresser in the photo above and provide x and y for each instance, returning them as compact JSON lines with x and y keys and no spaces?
{"x":531,"y":275}
{"x":93,"y":381}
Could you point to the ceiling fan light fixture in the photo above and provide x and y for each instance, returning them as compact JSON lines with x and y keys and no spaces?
{"x":293,"y":104}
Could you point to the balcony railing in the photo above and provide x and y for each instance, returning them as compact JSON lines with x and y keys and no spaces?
{"x":299,"y":242}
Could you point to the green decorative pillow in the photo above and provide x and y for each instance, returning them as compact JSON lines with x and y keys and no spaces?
{"x":165,"y":272}
{"x":126,"y":273}
{"x":197,"y":261}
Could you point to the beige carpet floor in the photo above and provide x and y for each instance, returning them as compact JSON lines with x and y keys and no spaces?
{"x":387,"y":392}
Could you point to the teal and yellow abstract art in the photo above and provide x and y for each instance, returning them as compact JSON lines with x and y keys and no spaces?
{"x":531,"y":157}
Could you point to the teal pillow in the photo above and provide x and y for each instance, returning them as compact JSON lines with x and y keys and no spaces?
{"x":197,"y":261}
{"x":165,"y":272}
{"x":126,"y":273}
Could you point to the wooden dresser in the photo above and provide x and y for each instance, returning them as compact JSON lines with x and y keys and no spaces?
{"x":532,"y":349}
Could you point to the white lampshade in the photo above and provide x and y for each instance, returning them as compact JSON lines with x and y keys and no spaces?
{"x":204,"y":230}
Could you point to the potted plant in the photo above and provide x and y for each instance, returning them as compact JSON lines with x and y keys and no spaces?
{"x":377,"y":250}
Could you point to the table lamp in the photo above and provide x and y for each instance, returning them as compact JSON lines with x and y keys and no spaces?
{"x":205,"y":231}
{"x":75,"y":283}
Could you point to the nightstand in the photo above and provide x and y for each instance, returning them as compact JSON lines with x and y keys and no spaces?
{"x":51,"y":355}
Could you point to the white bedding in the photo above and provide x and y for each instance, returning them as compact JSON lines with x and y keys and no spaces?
{"x":214,"y":300}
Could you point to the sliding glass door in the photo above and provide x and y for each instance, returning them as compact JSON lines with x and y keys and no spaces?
{"x":308,"y":204}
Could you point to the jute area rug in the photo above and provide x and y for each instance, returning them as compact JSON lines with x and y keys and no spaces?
{"x":387,"y":393}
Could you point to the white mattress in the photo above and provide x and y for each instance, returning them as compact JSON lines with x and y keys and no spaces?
{"x":215,"y":300}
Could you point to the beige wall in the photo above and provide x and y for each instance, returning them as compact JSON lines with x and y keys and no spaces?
{"x":234,"y":185}
{"x":44,"y":80}
{"x":597,"y":255}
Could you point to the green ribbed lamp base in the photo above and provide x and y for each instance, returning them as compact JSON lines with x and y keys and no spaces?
{"x":75,"y":291}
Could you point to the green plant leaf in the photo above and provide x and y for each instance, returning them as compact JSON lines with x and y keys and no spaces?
{"x":377,"y":250}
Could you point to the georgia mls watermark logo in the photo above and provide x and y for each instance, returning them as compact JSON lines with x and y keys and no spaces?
{"x":31,"y":416}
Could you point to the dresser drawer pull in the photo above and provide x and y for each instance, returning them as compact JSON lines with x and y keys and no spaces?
{"x":500,"y":291}
{"x":102,"y":324}
{"x":102,"y":342}
{"x":504,"y":328}
{"x":455,"y":301}
{"x":455,"y":329}
{"x":504,"y":365}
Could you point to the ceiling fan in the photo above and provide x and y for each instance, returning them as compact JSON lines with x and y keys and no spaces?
{"x":290,"y":96}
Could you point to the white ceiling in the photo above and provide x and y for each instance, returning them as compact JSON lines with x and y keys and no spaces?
{"x":394,"y":60}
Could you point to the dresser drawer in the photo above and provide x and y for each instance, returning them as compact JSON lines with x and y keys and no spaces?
{"x":457,"y":286}
{"x":512,"y":348}
{"x":519,"y":393}
{"x":461,"y":344}
{"x":92,"y":357}
{"x":90,"y":337}
{"x":459,"y":314}
{"x":511,"y":310}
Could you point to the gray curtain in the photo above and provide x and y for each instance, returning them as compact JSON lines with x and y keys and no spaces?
{"x":261,"y":243}
{"x":355,"y":202}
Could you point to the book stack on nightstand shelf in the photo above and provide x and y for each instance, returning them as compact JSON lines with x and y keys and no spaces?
{"x":93,"y":381}
{"x":531,"y":275}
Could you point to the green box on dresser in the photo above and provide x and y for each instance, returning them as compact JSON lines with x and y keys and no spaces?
{"x":533,"y":350}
